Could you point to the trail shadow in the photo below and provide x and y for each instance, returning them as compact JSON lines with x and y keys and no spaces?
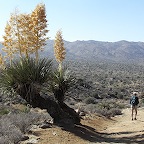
{"x":90,"y":134}
{"x":141,"y":120}
{"x":127,"y":132}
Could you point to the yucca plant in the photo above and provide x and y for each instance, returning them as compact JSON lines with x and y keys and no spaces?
{"x":61,"y":81}
{"x":26,"y":77}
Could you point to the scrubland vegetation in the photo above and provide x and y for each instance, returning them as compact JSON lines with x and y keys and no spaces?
{"x":102,"y":88}
{"x":107,"y":84}
{"x":91,"y":87}
{"x":109,"y":79}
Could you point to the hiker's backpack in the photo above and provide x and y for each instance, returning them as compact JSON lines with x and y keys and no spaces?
{"x":134,"y":100}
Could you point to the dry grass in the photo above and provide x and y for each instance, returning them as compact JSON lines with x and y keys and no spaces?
{"x":13,"y":126}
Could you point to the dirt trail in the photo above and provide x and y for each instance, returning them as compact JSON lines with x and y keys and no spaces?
{"x":124,"y":130}
{"x":98,"y":130}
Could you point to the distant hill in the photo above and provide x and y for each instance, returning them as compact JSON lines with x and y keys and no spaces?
{"x":93,"y":50}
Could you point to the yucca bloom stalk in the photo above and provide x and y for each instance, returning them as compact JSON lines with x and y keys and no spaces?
{"x":26,"y":33}
{"x":2,"y":62}
{"x":59,"y":79}
{"x":59,"y":49}
{"x":8,"y":43}
{"x":39,"y":31}
{"x":16,"y":32}
{"x":16,"y":36}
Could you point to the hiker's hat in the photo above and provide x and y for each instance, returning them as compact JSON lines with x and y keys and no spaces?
{"x":135,"y":93}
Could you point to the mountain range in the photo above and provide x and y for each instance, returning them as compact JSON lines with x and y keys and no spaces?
{"x":98,"y":50}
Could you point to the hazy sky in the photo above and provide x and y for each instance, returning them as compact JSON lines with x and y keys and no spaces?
{"x":100,"y":20}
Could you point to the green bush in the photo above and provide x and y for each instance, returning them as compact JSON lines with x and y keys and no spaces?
{"x":4,"y":111}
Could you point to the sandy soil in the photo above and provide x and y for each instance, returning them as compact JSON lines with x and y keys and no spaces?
{"x":124,"y":130}
{"x":96,"y":129}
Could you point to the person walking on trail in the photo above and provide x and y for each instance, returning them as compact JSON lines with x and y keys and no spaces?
{"x":134,"y":101}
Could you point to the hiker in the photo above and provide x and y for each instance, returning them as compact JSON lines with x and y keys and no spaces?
{"x":134,"y":101}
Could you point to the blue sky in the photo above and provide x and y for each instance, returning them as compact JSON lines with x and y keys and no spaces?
{"x":100,"y":20}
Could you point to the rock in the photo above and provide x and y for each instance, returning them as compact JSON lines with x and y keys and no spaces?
{"x":82,"y":114}
{"x":32,"y":140}
{"x":46,"y":125}
{"x":24,"y":138}
{"x":54,"y":133}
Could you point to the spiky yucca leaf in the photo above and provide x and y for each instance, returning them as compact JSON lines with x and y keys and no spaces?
{"x":61,"y":81}
{"x":25,"y":73}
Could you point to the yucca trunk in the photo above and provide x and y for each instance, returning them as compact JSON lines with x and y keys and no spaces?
{"x":70,"y":112}
{"x":59,"y":95}
{"x":58,"y":110}
{"x":35,"y":100}
{"x":27,"y":92}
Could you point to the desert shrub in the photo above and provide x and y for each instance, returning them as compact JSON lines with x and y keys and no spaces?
{"x":13,"y":126}
{"x":115,"y":111}
{"x":109,"y":113}
{"x":120,"y":96}
{"x":4,"y":111}
{"x":96,"y":95}
{"x":112,"y":95}
{"x":4,"y":139}
{"x":105,"y":107}
{"x":24,"y":120}
{"x":109,"y":108}
{"x":13,"y":109}
{"x":111,"y":103}
{"x":90,"y":100}
{"x":9,"y":133}
{"x":83,"y":83}
{"x":91,"y":108}
{"x":8,"y":98}
{"x":141,"y":102}
{"x":121,"y":105}
{"x":21,"y":108}
{"x":26,"y":109}
{"x":103,"y":112}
